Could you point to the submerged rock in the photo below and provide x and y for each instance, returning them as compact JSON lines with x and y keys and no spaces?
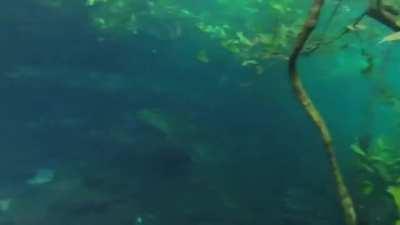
{"x":42,"y":176}
{"x":5,"y":204}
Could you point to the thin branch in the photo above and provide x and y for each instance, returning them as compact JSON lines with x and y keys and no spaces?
{"x":309,"y":26}
{"x":322,"y":42}
{"x":385,"y":14}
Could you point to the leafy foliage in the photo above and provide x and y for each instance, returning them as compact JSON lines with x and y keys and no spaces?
{"x":239,"y":26}
{"x":379,"y":166}
{"x":381,"y":159}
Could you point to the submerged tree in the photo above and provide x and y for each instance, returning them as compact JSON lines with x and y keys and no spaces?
{"x":384,"y":13}
{"x":301,"y":93}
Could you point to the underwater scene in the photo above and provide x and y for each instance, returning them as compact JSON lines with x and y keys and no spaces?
{"x":200,"y":112}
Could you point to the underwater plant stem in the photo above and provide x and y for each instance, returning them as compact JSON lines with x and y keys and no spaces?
{"x":301,"y":93}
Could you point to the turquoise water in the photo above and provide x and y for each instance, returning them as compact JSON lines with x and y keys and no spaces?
{"x":182,"y":113}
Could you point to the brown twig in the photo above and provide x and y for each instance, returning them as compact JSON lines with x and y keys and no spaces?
{"x":385,"y":14}
{"x":346,"y":30}
{"x":322,"y":42}
{"x":310,"y":24}
{"x":377,"y":10}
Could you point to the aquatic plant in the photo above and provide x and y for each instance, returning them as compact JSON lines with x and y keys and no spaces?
{"x":380,"y":159}
{"x":379,"y":169}
{"x":251,"y":42}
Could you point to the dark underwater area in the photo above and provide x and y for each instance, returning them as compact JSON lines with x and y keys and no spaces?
{"x":135,"y":130}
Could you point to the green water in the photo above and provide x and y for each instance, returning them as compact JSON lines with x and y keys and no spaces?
{"x":181,"y":112}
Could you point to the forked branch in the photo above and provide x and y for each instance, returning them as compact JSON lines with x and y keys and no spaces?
{"x":385,"y":14}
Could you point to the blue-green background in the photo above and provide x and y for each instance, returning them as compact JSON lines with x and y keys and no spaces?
{"x":63,"y":93}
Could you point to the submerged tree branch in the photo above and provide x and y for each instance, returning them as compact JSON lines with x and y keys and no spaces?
{"x":385,"y":14}
{"x":344,"y":196}
{"x":377,"y":10}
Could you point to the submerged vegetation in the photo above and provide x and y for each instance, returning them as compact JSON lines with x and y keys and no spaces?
{"x":347,"y":37}
{"x":240,"y":28}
